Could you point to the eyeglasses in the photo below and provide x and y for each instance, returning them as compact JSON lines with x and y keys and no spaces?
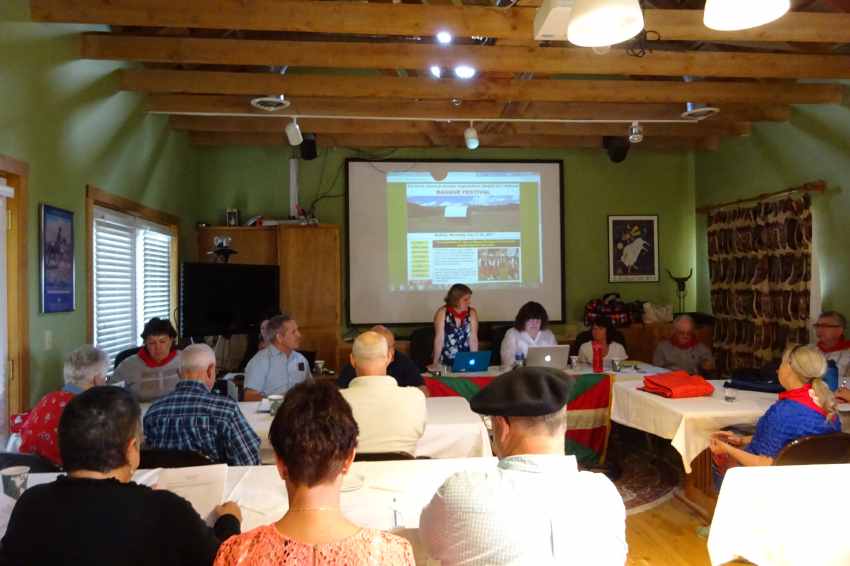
{"x":822,"y":325}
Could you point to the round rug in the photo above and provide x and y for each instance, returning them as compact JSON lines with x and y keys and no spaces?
{"x":646,"y":481}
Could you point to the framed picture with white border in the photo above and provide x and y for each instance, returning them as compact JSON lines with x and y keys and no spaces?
{"x":632,"y":248}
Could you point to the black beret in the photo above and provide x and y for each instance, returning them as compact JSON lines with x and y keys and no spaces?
{"x":524,"y":392}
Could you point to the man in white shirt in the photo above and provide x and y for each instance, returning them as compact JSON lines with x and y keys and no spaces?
{"x":277,"y":368}
{"x":535,"y":507}
{"x":829,"y":330}
{"x":390,"y":418}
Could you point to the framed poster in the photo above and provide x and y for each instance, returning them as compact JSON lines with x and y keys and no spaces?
{"x":632,"y":249}
{"x":57,"y":259}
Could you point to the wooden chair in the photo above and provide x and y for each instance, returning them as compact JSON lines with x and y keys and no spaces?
{"x":172,"y":458}
{"x":422,"y":346}
{"x":382,"y":456}
{"x":818,"y":449}
{"x":34,"y":462}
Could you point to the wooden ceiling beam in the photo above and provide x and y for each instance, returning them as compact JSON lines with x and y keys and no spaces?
{"x":407,"y":127}
{"x":409,"y":19}
{"x":556,"y":60}
{"x":224,"y":105}
{"x":208,"y":82}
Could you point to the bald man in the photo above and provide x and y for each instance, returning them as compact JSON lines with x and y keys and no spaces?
{"x":391,"y":418}
{"x":402,"y":368}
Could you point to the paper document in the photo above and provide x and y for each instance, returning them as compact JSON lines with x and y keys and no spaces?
{"x":6,"y":505}
{"x":202,"y":486}
{"x":230,"y":376}
{"x":265,"y":405}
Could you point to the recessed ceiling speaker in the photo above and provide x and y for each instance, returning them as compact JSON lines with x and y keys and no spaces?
{"x":270,"y":103}
{"x":617,"y":147}
{"x":309,"y":150}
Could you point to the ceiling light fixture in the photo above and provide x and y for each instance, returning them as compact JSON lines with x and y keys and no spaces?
{"x":635,"y":132}
{"x":464,"y":72}
{"x":436,"y":71}
{"x":597,"y":23}
{"x":444,"y":37}
{"x":293,"y":132}
{"x":471,"y":137}
{"x":732,"y":15}
{"x":270,"y":103}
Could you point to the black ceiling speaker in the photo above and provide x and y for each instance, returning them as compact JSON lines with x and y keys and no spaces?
{"x":308,"y":147}
{"x":617,"y":147}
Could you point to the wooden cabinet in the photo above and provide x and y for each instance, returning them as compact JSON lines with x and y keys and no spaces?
{"x":256,"y":246}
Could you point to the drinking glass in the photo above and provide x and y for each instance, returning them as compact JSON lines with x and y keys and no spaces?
{"x":729,"y":394}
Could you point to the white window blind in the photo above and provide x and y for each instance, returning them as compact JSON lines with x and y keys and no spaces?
{"x":132,"y":278}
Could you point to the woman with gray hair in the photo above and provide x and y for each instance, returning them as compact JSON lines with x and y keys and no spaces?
{"x":84,"y":368}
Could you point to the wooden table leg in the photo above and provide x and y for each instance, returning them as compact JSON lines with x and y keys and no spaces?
{"x":698,"y":491}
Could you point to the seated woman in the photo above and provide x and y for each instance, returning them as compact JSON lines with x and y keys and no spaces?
{"x":806,"y":407}
{"x":455,"y":326}
{"x":95,"y":514}
{"x":530,"y":329}
{"x":603,"y":334}
{"x":84,"y":368}
{"x":152,"y":371}
{"x":314,"y":436}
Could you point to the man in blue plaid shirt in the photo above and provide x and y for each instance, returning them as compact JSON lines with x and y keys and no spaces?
{"x":193,"y":418}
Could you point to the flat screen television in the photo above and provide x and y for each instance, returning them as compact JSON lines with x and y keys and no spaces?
{"x":226,"y":298}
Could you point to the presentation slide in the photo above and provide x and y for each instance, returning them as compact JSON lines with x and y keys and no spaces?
{"x":417,"y":228}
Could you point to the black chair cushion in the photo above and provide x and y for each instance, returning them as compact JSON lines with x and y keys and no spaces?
{"x":36,"y":463}
{"x":172,"y":458}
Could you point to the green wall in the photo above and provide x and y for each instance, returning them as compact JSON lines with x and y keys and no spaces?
{"x":66,"y":119}
{"x":814,"y":145}
{"x":256,"y":181}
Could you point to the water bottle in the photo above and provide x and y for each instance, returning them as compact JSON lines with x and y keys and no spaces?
{"x":831,"y":375}
{"x":597,"y":357}
{"x":519,"y":360}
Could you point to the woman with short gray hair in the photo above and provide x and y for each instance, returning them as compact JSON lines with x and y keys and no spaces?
{"x":84,"y":368}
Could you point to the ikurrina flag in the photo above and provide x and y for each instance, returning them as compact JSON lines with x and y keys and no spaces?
{"x":588,"y":410}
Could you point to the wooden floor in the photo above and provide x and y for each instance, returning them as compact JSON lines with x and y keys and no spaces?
{"x":666,"y":536}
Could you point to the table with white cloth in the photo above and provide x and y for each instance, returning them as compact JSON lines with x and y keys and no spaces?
{"x":452,"y":430}
{"x":631,"y":370}
{"x":781,"y":515}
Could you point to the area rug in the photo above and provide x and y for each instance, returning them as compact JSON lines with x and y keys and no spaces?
{"x":646,"y":481}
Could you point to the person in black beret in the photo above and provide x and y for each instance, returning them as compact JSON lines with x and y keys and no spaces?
{"x":535,"y":506}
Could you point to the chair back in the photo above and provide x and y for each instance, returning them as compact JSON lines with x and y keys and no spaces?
{"x":382,"y":456}
{"x":34,"y":462}
{"x":310,"y":355}
{"x":831,"y":448}
{"x":422,"y":346}
{"x":123,"y":355}
{"x":172,"y":458}
{"x":499,"y":335}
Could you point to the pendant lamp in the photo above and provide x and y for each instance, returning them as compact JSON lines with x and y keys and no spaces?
{"x":597,"y":23}
{"x":731,"y":15}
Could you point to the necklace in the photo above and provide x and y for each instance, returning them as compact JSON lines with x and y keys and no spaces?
{"x":297,"y":509}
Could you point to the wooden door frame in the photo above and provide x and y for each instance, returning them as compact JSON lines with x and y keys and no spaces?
{"x":17,"y":279}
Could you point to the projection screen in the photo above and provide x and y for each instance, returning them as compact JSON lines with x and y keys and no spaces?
{"x":415,"y":228}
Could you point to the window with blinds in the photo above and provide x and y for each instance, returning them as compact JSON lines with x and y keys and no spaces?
{"x":132,"y":278}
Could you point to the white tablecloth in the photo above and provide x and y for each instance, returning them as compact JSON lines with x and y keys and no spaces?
{"x":452,"y":430}
{"x":782,"y":515}
{"x":635,"y":370}
{"x":686,"y":422}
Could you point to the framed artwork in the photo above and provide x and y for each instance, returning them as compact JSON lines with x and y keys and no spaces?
{"x":632,"y":249}
{"x":56,"y":249}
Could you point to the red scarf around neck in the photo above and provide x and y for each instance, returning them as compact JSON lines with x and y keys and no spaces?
{"x":460,"y":315}
{"x":801,"y":395}
{"x":152,"y":363}
{"x":692,"y":341}
{"x":842,"y":344}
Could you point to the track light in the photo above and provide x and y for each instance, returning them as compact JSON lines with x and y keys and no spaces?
{"x":635,"y":132}
{"x":436,"y":71}
{"x":471,"y":137}
{"x":293,"y":132}
{"x":444,"y":37}
{"x":731,"y":15}
{"x":596,"y":23}
{"x":464,"y":72}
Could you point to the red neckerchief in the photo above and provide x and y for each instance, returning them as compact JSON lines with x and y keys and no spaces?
{"x":460,"y":315}
{"x":840,"y":345}
{"x":692,"y":341}
{"x":801,"y":395}
{"x":152,"y":363}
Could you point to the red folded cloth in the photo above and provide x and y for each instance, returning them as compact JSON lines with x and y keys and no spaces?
{"x":677,"y":384}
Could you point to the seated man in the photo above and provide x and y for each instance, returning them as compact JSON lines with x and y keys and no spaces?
{"x":277,"y":367}
{"x":193,"y":418}
{"x":401,"y":367}
{"x":390,"y":418}
{"x":829,"y":329}
{"x":535,"y":507}
{"x":682,"y":351}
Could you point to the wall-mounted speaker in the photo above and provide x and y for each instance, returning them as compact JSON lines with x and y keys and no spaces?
{"x":308,"y":147}
{"x":617,"y":147}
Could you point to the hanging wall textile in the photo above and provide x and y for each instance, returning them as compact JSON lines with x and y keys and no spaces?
{"x":761,"y":269}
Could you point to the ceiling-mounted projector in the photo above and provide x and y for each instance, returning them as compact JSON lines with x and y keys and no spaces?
{"x":550,"y":22}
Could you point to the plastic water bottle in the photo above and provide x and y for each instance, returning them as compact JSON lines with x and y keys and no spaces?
{"x":519,"y":360}
{"x":597,"y":357}
{"x":831,"y":375}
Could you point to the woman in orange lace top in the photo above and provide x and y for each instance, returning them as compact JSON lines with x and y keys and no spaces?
{"x":314,"y":436}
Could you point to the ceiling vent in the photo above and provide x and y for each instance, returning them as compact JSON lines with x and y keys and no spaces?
{"x":270,"y":103}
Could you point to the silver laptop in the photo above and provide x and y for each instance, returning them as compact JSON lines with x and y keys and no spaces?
{"x":548,"y":356}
